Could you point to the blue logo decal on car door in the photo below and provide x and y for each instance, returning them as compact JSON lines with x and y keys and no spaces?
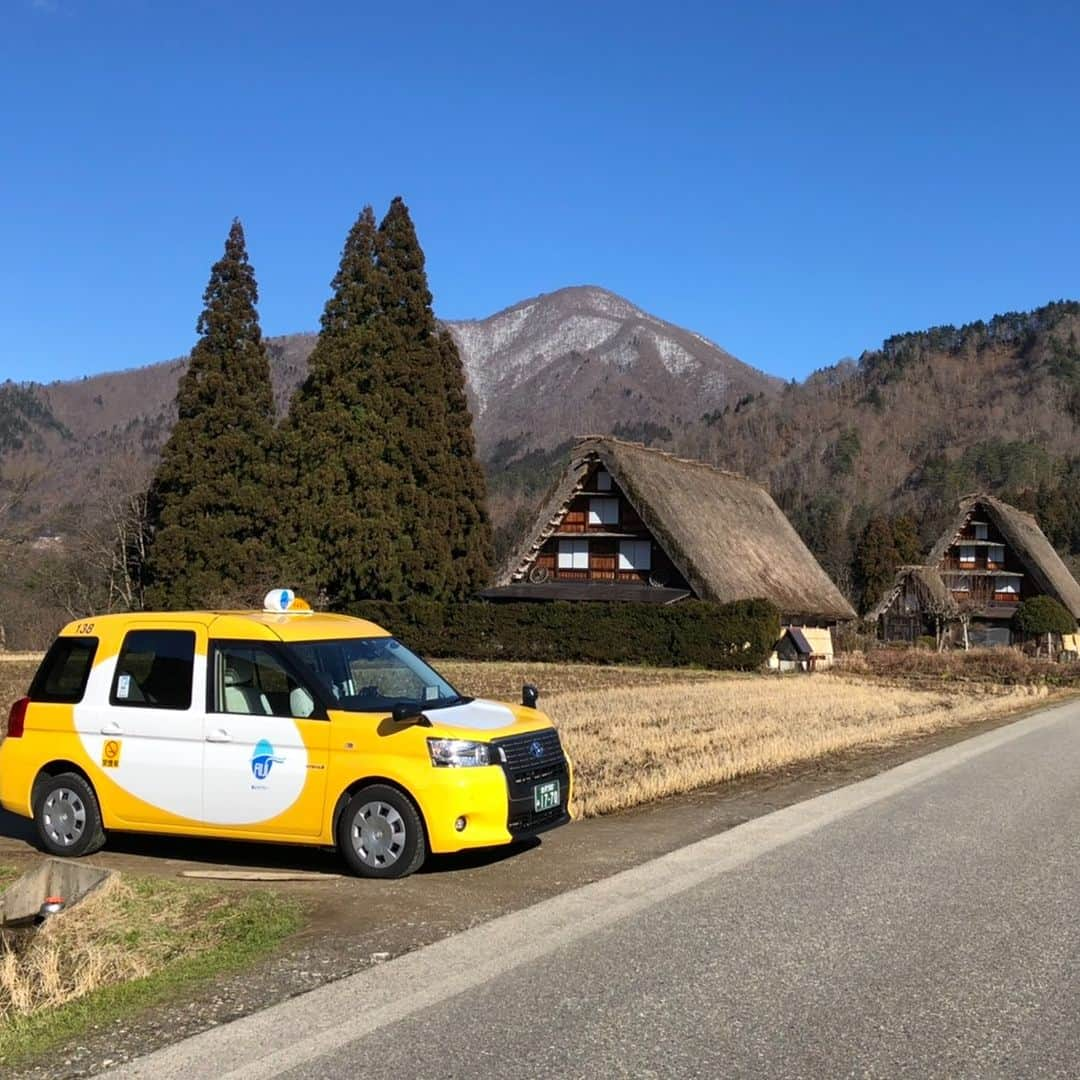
{"x":263,"y":759}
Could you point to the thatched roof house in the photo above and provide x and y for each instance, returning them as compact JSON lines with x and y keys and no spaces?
{"x":918,"y":588}
{"x":917,"y":603}
{"x":990,"y":558}
{"x":628,"y":522}
{"x":1021,"y":535}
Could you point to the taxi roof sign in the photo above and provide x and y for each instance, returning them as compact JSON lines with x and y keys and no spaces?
{"x":285,"y":602}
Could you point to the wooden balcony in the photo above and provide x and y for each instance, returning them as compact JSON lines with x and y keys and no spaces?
{"x":599,"y":573}
{"x":952,"y":569}
{"x":980,"y":599}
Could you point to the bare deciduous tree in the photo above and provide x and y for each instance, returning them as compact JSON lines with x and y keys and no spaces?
{"x":100,"y":567}
{"x":13,"y":492}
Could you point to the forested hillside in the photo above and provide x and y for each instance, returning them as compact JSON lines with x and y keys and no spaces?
{"x":868,"y":457}
{"x":929,"y":416}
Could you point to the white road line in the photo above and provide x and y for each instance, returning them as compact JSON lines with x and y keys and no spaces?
{"x":285,"y":1036}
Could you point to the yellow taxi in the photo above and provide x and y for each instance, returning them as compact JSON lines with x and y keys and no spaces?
{"x":283,"y":725}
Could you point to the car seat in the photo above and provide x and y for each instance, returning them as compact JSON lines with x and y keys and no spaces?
{"x":241,"y":694}
{"x":301,"y":703}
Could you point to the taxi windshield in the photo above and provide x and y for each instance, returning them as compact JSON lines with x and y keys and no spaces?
{"x":373,"y":675}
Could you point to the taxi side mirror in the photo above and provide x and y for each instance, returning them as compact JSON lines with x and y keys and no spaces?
{"x":409,"y":714}
{"x":529,"y":694}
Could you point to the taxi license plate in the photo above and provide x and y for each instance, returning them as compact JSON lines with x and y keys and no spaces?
{"x":546,"y":796}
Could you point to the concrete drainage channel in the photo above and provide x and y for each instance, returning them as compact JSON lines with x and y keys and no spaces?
{"x":57,"y":885}
{"x":50,"y":888}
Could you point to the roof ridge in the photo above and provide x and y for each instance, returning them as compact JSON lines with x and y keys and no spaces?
{"x":581,"y":439}
{"x":985,"y":496}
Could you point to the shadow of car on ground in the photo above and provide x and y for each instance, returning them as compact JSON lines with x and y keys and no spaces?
{"x":246,"y":854}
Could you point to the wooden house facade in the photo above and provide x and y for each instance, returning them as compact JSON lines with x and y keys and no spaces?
{"x":626,"y":522}
{"x":990,"y":559}
{"x":601,"y":538}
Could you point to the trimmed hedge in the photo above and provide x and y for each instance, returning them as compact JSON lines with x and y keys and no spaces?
{"x":738,"y":636}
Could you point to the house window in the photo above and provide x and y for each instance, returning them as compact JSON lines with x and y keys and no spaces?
{"x":995,"y":553}
{"x":573,"y":554}
{"x":962,"y":583}
{"x":603,"y":511}
{"x":967,"y":556}
{"x":635,"y":555}
{"x":603,"y":480}
{"x":1007,"y":588}
{"x":980,"y":530}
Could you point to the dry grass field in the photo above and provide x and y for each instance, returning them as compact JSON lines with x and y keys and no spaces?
{"x":1006,"y":667}
{"x":638,"y":734}
{"x":634,"y":745}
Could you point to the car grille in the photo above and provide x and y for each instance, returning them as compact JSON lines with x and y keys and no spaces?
{"x":519,"y":755}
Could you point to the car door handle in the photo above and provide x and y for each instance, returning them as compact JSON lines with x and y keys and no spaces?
{"x":111,"y":728}
{"x":220,"y":735}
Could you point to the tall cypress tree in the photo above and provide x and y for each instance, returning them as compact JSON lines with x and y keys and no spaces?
{"x":344,"y":534}
{"x":446,"y":499}
{"x":211,"y":502}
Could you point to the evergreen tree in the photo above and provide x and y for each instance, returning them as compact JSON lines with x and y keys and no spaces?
{"x":445,"y":505}
{"x":906,"y":542}
{"x":875,"y":561}
{"x":344,"y":536}
{"x":471,"y":543}
{"x":211,"y":502}
{"x":884,"y":546}
{"x":1043,"y":615}
{"x":389,"y":496}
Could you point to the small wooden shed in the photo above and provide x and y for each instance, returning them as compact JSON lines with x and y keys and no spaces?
{"x":802,"y":648}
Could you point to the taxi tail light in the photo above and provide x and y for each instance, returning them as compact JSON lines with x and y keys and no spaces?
{"x":17,"y":718}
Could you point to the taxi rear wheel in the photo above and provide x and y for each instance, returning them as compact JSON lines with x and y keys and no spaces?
{"x":67,"y":815}
{"x":380,"y":834}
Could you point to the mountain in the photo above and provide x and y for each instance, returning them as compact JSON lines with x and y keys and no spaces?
{"x":560,"y":365}
{"x":584,"y":360}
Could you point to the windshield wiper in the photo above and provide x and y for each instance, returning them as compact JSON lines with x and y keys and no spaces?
{"x":446,"y":703}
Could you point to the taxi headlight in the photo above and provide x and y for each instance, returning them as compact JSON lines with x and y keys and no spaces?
{"x":457,"y":753}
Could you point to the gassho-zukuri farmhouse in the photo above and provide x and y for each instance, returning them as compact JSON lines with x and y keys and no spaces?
{"x":989,"y":560}
{"x":629,"y":523}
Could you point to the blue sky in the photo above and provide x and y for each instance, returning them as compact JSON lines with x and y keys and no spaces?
{"x":795,"y":181}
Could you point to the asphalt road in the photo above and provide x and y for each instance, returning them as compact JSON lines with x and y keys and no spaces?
{"x":920,"y":923}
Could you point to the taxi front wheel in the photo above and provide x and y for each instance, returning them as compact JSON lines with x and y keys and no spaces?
{"x":67,"y":815}
{"x":380,"y":834}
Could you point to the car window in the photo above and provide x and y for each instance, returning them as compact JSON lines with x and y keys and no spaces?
{"x":154,"y":669}
{"x":373,"y":675}
{"x":65,"y":670}
{"x":252,"y":681}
